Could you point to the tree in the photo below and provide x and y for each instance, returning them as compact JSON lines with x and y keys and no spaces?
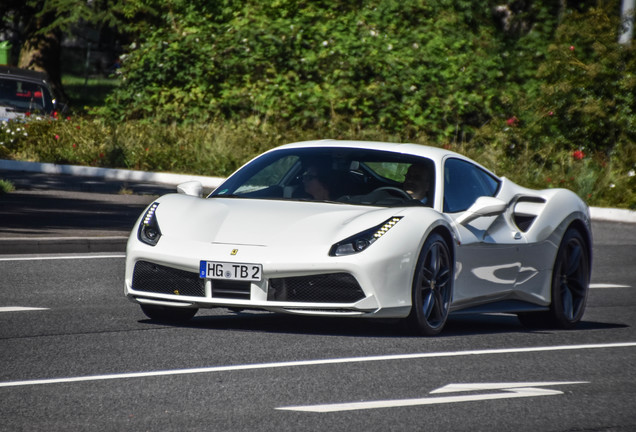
{"x":36,"y":28}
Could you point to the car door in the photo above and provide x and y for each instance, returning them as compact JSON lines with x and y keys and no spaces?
{"x":488,"y":254}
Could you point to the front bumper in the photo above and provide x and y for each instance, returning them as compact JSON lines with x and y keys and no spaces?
{"x":313,"y":294}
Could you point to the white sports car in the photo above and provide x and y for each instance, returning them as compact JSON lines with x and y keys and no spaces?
{"x":364,"y":229}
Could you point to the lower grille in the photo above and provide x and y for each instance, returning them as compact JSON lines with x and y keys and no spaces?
{"x":160,"y":279}
{"x":326,"y":288}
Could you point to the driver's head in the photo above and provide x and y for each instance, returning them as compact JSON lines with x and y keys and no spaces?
{"x":416,"y":182}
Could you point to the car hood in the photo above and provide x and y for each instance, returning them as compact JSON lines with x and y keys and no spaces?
{"x":264,"y":222}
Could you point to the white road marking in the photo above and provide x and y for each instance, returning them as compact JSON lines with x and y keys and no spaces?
{"x":601,"y":285}
{"x":393,"y":357}
{"x":468,"y":387}
{"x":62,"y":257}
{"x":511,"y":390}
{"x":20,"y":309}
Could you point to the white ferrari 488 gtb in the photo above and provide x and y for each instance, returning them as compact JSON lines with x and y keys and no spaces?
{"x":364,"y":229}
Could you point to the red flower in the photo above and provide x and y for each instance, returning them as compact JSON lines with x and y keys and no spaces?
{"x":512,"y":121}
{"x":578,"y":154}
{"x":571,"y":47}
{"x":57,"y":137}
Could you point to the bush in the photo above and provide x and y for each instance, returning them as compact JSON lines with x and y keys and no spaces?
{"x":401,"y":65}
{"x":546,"y":98}
{"x":219,"y":148}
{"x":6,"y":186}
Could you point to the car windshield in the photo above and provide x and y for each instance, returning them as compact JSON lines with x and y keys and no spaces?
{"x":343,"y":175}
{"x":25,"y":96}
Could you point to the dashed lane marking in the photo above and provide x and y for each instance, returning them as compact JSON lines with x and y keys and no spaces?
{"x":62,"y":257}
{"x":20,"y":309}
{"x":602,"y":285}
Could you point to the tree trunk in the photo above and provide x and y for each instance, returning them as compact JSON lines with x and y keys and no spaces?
{"x":41,"y":52}
{"x":627,"y":22}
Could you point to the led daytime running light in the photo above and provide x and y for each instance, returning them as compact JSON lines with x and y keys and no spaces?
{"x":150,"y":213}
{"x":149,"y":232}
{"x":362,"y":240}
{"x":387,"y":226}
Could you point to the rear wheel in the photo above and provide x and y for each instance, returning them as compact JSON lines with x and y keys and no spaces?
{"x":167,"y":313}
{"x":432,"y":287}
{"x":570,"y":285}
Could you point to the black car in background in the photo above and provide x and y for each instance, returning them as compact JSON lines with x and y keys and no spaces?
{"x":23,"y":93}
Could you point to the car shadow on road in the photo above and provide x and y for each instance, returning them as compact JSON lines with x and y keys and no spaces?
{"x":267,"y":322}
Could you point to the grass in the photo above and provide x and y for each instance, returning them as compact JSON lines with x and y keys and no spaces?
{"x":6,"y":186}
{"x":87,"y":92}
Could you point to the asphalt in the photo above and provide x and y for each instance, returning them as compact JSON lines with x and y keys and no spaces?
{"x":57,"y":213}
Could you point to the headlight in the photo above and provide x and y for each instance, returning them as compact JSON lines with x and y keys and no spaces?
{"x":363,"y":240}
{"x":149,"y":231}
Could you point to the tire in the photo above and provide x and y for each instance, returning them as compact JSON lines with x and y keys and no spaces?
{"x":168,"y":314}
{"x":570,"y":286}
{"x":432,"y":289}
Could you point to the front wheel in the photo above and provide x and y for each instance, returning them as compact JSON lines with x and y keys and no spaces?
{"x":570,"y":285}
{"x":432,"y":287}
{"x":167,"y":313}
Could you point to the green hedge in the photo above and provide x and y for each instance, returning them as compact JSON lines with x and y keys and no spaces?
{"x":219,"y":148}
{"x":545,"y":98}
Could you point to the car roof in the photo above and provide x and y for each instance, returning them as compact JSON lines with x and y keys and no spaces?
{"x":23,"y":74}
{"x":434,"y":153}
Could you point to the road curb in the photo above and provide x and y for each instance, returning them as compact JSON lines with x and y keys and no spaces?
{"x":108,"y":173}
{"x":612,"y":215}
{"x":51,"y":245}
{"x":597,"y":213}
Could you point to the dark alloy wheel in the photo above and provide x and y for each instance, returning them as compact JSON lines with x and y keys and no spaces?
{"x":432,"y":287}
{"x":168,"y":314}
{"x":570,"y":285}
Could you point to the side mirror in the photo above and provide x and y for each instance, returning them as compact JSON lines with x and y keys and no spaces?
{"x":192,"y":188}
{"x":484,"y":206}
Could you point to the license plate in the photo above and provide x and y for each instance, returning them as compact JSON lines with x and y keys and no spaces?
{"x":230,"y":271}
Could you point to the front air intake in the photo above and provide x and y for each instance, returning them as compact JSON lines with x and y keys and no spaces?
{"x":325,"y":288}
{"x":155,"y":278}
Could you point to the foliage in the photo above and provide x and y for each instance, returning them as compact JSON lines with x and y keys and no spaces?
{"x":220,"y":147}
{"x":538,"y":91}
{"x":215,"y":149}
{"x":6,"y":186}
{"x":442,"y":69}
{"x":588,"y":82}
{"x":63,"y":16}
{"x":397,"y":64}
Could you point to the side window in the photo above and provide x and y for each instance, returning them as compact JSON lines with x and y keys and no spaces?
{"x":464,"y":183}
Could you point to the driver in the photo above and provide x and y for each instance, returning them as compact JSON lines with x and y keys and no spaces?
{"x":417,"y":182}
{"x":316,"y":182}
